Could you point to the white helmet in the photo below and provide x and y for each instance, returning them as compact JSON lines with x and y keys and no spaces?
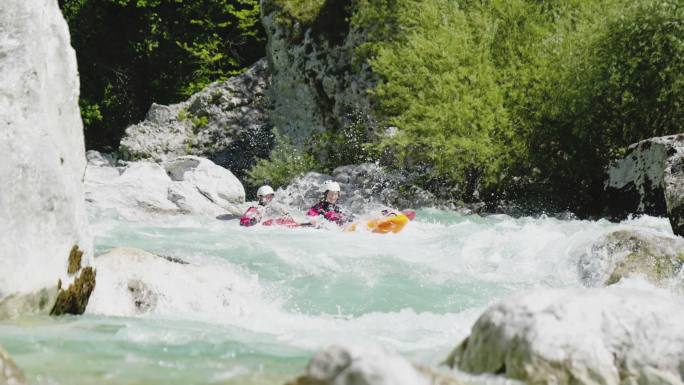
{"x":265,"y":190}
{"x":330,"y":185}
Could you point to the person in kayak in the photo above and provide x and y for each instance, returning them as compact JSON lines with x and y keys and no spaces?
{"x":266,"y":208}
{"x":327,"y":206}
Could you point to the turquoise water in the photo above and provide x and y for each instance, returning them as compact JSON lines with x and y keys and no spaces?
{"x":251,"y":305}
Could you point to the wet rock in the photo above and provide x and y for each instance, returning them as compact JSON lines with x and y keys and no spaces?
{"x":35,"y":303}
{"x":144,"y":299}
{"x":624,"y":253}
{"x":338,"y":365}
{"x":183,"y":185}
{"x":10,"y":374}
{"x":226,"y":122}
{"x":133,"y":281}
{"x":607,"y":336}
{"x":363,"y":186}
{"x":650,"y":180}
{"x":41,"y":204}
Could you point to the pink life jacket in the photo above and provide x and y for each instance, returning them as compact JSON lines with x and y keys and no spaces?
{"x":249,"y":218}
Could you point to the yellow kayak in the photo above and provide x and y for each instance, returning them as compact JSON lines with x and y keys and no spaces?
{"x":383,"y":225}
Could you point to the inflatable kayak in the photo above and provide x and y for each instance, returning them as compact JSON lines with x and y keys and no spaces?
{"x":392,"y":223}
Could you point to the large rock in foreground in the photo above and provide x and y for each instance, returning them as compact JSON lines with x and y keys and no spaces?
{"x":226,"y":122}
{"x":607,"y":336}
{"x":344,"y":366}
{"x":184,"y":185}
{"x":10,"y":374}
{"x":650,"y":180}
{"x":132,"y":282}
{"x":43,"y":224}
{"x":628,"y":252}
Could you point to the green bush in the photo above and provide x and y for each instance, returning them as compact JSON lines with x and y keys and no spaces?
{"x":521,"y":98}
{"x":617,"y":82}
{"x":285,"y":163}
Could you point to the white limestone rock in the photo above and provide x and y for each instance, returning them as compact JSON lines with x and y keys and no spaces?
{"x":337,"y":365}
{"x":184,"y":185}
{"x":624,"y":253}
{"x":42,"y":210}
{"x":650,"y":180}
{"x":608,"y":336}
{"x":132,"y":282}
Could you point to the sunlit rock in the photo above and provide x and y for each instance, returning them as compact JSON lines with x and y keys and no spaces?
{"x":184,"y":185}
{"x":131,"y":282}
{"x":338,"y":365}
{"x":623,"y":253}
{"x":226,"y":122}
{"x":42,"y":211}
{"x":607,"y":336}
{"x":650,"y":180}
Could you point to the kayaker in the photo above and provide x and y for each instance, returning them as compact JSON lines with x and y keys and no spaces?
{"x":327,"y":205}
{"x":266,"y":208}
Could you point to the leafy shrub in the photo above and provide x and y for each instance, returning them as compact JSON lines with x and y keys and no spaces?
{"x":285,"y":163}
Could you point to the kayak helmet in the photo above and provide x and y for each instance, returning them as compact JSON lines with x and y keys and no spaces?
{"x":330,"y":185}
{"x":265,"y":190}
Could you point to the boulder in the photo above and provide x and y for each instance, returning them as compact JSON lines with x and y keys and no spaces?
{"x":43,"y":218}
{"x":184,"y":185}
{"x":649,"y":180}
{"x":132,"y":282}
{"x":623,"y":253}
{"x":10,"y":374}
{"x":338,"y":365}
{"x":608,"y":336}
{"x":364,"y":186}
{"x":226,"y":122}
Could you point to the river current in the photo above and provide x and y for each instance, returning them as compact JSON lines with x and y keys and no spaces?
{"x":251,"y":305}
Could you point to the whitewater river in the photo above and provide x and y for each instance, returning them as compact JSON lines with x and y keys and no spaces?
{"x":251,"y":305}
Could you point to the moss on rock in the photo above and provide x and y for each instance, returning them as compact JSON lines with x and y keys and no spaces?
{"x":628,"y":252}
{"x":74,"y":260}
{"x":74,"y":299}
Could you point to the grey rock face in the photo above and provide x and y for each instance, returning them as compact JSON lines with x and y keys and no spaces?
{"x":42,"y":210}
{"x":650,"y":180}
{"x":314,"y":86}
{"x":226,"y":122}
{"x":609,"y":336}
{"x":626,"y":252}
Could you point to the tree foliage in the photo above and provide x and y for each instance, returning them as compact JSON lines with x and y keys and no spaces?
{"x":520,"y":96}
{"x":135,"y":52}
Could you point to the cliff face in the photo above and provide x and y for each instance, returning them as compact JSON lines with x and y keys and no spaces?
{"x":317,"y":84}
{"x":43,"y":223}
